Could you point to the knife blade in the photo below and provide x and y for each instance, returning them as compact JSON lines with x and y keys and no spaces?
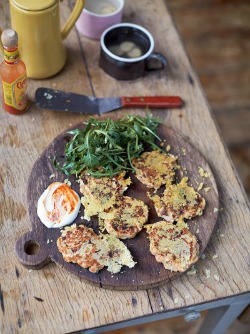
{"x":48,"y":98}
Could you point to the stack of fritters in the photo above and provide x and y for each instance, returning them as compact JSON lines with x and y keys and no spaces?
{"x":172,"y":244}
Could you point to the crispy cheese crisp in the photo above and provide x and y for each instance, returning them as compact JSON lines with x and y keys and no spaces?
{"x":175,"y":247}
{"x":179,"y":201}
{"x":101,"y":193}
{"x":155,"y":168}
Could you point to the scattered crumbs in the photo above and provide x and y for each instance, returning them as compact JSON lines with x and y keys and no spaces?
{"x":30,"y":270}
{"x":192,"y":271}
{"x":82,"y":217}
{"x":200,"y":186}
{"x":161,"y":307}
{"x":48,"y":96}
{"x":168,"y":148}
{"x":203,"y":256}
{"x":184,"y":151}
{"x":217,"y":278}
{"x":112,"y":276}
{"x":133,"y":280}
{"x":203,"y":173}
{"x":161,"y":144}
{"x":32,"y":120}
{"x":176,"y":301}
{"x":187,"y":296}
{"x":215,"y":256}
{"x":68,"y":101}
{"x":207,"y":273}
{"x":51,"y":176}
{"x":67,"y":182}
{"x":48,"y":241}
{"x":207,"y":189}
{"x":197,"y":231}
{"x":222,"y":235}
{"x":216,"y":210}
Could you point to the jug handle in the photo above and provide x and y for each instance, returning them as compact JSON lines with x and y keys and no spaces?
{"x":73,"y":17}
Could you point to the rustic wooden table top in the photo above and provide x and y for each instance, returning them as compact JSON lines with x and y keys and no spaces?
{"x":52,"y":300}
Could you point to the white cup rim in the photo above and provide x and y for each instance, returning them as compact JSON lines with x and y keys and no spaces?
{"x":119,"y":9}
{"x":127,"y":60}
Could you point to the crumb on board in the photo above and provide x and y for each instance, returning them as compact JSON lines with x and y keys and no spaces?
{"x":215,"y":256}
{"x":200,"y":186}
{"x":66,"y":181}
{"x":207,"y":273}
{"x":217,"y":278}
{"x":184,"y":151}
{"x":203,"y":173}
{"x":197,"y":231}
{"x":192,"y":271}
{"x":216,"y":210}
{"x":207,"y":189}
{"x":176,"y":301}
{"x":168,"y":148}
{"x":51,"y":176}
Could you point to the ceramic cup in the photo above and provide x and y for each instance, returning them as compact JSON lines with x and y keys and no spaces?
{"x":127,"y":52}
{"x":98,"y":15}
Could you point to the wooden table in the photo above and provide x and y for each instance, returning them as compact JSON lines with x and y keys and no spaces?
{"x":51,"y":300}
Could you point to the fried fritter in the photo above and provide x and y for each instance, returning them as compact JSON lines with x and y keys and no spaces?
{"x":101,"y":193}
{"x":155,"y":168}
{"x":175,"y":247}
{"x":81,"y":245}
{"x":126,"y":218}
{"x":179,"y":201}
{"x":78,"y":244}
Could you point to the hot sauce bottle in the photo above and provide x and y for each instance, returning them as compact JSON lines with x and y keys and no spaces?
{"x":13,"y":75}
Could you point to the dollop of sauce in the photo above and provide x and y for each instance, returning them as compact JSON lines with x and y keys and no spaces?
{"x":58,"y":205}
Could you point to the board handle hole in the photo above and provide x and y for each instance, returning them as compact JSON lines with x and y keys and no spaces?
{"x":31,"y":247}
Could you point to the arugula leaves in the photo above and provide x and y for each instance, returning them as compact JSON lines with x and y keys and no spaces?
{"x":106,"y":147}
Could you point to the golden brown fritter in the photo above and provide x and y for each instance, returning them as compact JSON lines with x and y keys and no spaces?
{"x":179,"y":201}
{"x":81,"y":245}
{"x":155,"y":168}
{"x":101,"y":193}
{"x":175,"y":247}
{"x":78,"y":244}
{"x":126,"y":218}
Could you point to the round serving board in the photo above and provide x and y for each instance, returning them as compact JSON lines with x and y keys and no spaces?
{"x":37,"y":247}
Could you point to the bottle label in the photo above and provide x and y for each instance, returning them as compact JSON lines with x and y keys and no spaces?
{"x":11,"y":56}
{"x":14,"y":93}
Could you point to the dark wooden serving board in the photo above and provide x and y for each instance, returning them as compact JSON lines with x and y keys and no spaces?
{"x":37,"y":247}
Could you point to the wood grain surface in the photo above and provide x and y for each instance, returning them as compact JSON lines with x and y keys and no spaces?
{"x":35,"y":248}
{"x":52,"y":300}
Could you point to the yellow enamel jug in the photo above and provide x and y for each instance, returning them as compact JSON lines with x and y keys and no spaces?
{"x":37,"y":23}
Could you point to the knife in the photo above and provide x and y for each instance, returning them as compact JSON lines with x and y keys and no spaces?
{"x":58,"y":100}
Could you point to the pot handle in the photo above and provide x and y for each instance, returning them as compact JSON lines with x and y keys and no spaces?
{"x":73,"y":18}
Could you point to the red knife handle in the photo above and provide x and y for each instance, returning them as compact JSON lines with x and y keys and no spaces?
{"x":152,"y":101}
